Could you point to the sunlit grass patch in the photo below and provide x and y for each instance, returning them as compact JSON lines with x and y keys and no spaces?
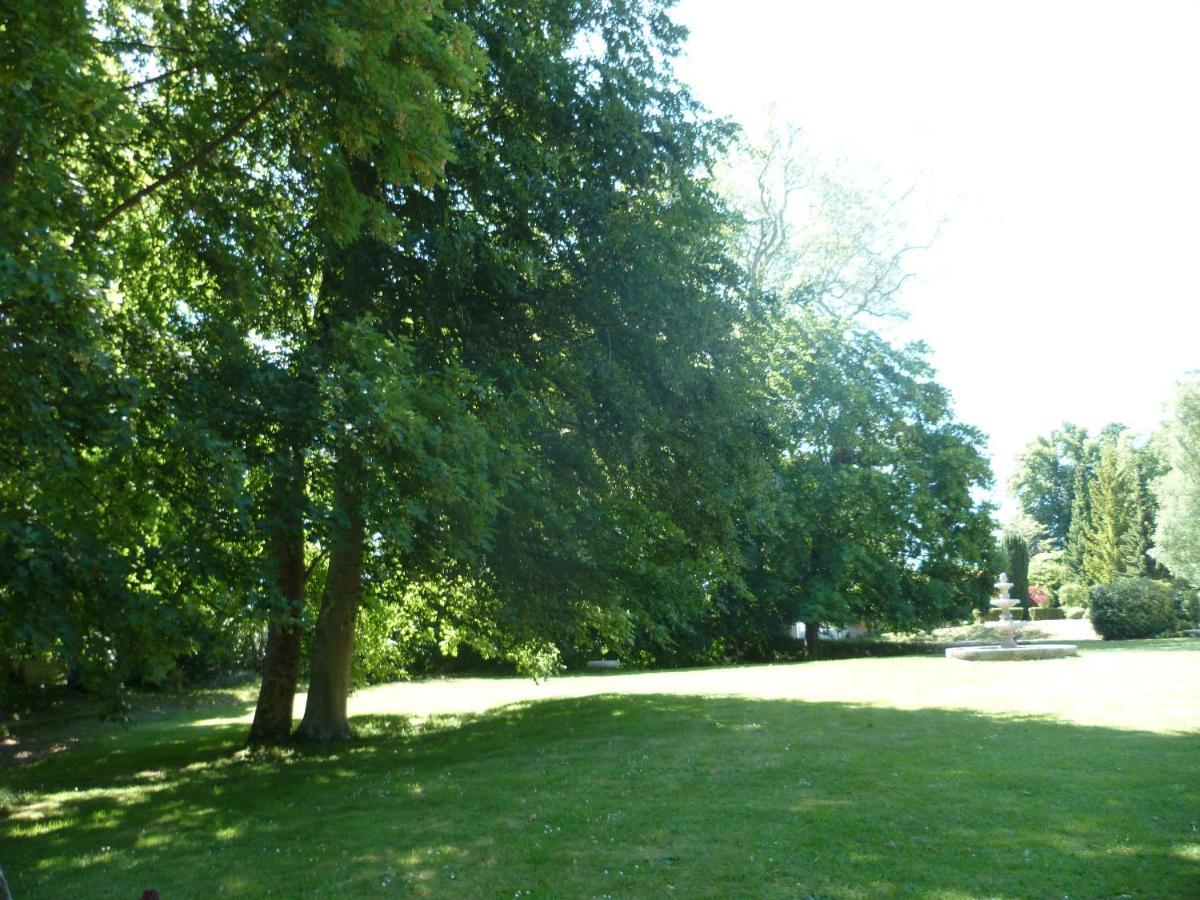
{"x":866,"y":778}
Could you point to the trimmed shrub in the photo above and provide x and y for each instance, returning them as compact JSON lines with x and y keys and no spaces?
{"x":1039,"y":613}
{"x":1073,"y":594}
{"x":1132,"y":608}
{"x":994,"y":614}
{"x":856,"y":648}
{"x":1073,"y":612}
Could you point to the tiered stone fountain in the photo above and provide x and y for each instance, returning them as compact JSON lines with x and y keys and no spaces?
{"x":1008,"y":647}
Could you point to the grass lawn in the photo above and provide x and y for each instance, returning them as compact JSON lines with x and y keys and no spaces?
{"x":860,"y":778}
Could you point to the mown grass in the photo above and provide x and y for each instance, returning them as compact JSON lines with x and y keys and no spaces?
{"x":863,"y":778}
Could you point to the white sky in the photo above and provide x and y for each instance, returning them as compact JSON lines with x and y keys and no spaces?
{"x":1059,"y":141}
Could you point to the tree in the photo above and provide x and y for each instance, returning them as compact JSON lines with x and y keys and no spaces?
{"x":1016,"y":546}
{"x":1113,"y":541}
{"x":595,"y":293}
{"x":1047,"y":476}
{"x":815,"y":238}
{"x":1075,"y":548}
{"x":876,"y":520}
{"x":569,"y":264}
{"x":96,"y":561}
{"x":1177,"y":534}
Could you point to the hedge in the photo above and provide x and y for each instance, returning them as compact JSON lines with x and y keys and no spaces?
{"x":1037,"y":613}
{"x":994,"y":614}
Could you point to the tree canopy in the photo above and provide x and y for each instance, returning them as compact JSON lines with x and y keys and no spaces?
{"x":1177,"y":535}
{"x":435,"y":308}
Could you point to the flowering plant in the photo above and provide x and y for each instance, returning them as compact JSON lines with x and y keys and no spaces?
{"x":1039,"y":596}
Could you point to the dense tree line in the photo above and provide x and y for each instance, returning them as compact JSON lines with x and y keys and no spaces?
{"x":426,"y":316}
{"x":1111,"y":507}
{"x":1093,"y":500}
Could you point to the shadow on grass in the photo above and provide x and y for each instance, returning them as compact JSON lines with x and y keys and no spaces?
{"x":621,"y":795}
{"x":32,"y":738}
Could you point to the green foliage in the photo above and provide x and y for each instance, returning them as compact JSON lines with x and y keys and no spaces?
{"x":1018,"y":614}
{"x":1177,"y":536}
{"x":1039,"y":613}
{"x":1061,"y":478}
{"x":1072,"y":593}
{"x":1074,"y":612}
{"x":1047,"y":477}
{"x":1132,"y":608}
{"x":1185,"y":600}
{"x":874,"y":519}
{"x":1114,"y":541}
{"x":1017,"y":548}
{"x":1050,"y":570}
{"x":427,"y":307}
{"x":1075,"y":549}
{"x":291,"y":259}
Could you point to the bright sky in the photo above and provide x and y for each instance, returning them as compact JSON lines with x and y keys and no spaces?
{"x":1060,"y":144}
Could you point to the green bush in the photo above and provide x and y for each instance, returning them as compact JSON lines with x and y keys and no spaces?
{"x":1073,"y":594}
{"x":1050,"y":571}
{"x":994,"y":614}
{"x":1131,"y":608}
{"x":1037,"y":613}
{"x":1185,"y":600}
{"x":1074,"y":612}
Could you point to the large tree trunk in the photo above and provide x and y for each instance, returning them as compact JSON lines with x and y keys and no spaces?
{"x":349,"y":280}
{"x":281,"y":667}
{"x":812,"y":637}
{"x":333,"y":644}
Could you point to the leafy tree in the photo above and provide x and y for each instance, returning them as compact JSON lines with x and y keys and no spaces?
{"x":100,"y":567}
{"x":876,"y":520}
{"x":1177,"y":535}
{"x":1047,"y":476}
{"x":601,"y":305}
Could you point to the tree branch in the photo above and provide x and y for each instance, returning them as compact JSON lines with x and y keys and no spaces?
{"x":142,"y":45}
{"x":137,"y":86}
{"x":187,"y":165}
{"x":312,"y":566}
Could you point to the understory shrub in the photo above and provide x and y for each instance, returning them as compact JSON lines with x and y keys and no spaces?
{"x":1050,"y":571}
{"x":1073,"y":612}
{"x":993,"y":615}
{"x":1131,"y":608}
{"x":1039,"y":596}
{"x":1039,"y":613}
{"x":1073,"y":594}
{"x":856,"y":648}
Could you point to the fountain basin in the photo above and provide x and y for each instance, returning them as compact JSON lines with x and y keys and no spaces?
{"x":1022,"y":651}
